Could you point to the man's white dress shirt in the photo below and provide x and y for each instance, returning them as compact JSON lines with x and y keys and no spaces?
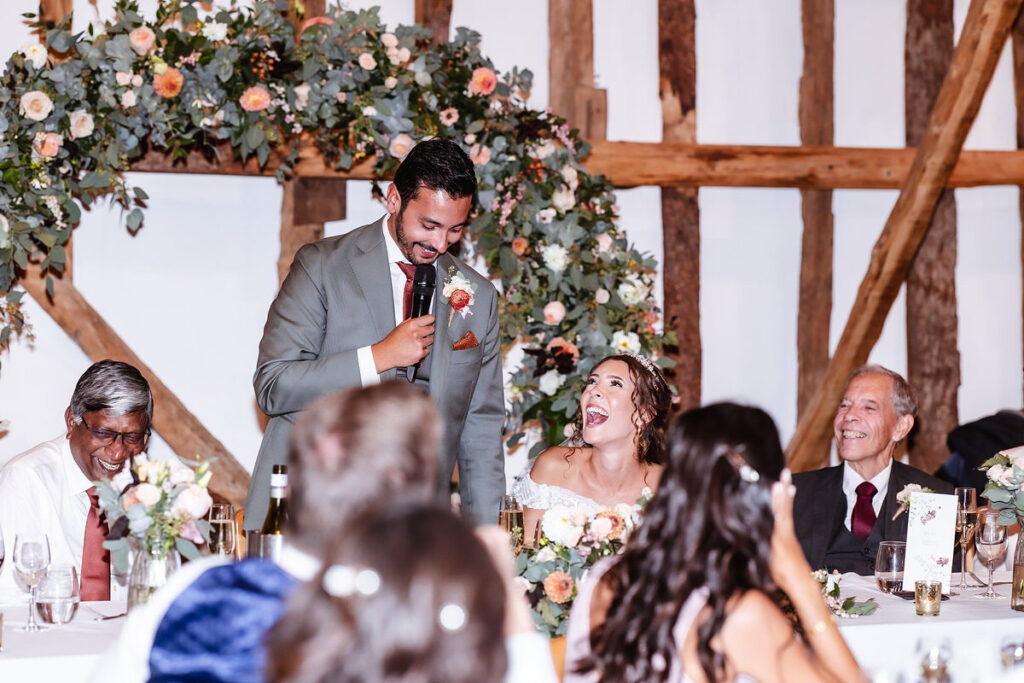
{"x":851,"y":480}
{"x":44,"y":491}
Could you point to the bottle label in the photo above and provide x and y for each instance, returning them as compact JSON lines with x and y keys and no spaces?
{"x":278,"y":480}
{"x":271,"y":546}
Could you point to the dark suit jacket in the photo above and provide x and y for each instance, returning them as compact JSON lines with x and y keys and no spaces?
{"x":337,"y":298}
{"x":819,"y":509}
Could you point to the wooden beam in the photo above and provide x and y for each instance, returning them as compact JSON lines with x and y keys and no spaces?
{"x":680,"y":212}
{"x":306,"y":204}
{"x":678,"y":164}
{"x":54,"y":10}
{"x":984,"y":33}
{"x":816,"y":128}
{"x":171,"y":419}
{"x":435,"y":15}
{"x":933,"y":360}
{"x":571,"y":91}
{"x":1017,"y":40}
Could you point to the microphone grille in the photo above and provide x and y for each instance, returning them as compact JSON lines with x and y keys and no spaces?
{"x":425,"y":274}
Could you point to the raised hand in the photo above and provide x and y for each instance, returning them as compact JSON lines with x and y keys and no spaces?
{"x":406,"y":345}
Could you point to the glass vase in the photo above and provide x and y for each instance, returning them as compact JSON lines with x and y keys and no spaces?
{"x":150,"y":571}
{"x":1017,"y":587}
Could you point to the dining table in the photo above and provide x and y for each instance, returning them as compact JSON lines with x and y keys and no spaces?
{"x":889,"y":643}
{"x":65,"y":652}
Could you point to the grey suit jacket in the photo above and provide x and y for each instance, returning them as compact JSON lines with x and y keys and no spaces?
{"x":337,"y":298}
{"x":819,"y":510}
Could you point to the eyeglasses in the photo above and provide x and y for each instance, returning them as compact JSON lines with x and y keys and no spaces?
{"x":109,"y":436}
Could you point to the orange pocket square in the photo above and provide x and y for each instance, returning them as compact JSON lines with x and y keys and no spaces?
{"x":468,"y":341}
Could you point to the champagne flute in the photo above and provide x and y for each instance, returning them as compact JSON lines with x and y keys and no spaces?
{"x":31,"y":558}
{"x":510,"y":518}
{"x":1,"y":551}
{"x":222,"y":529}
{"x":966,"y":520}
{"x":990,"y":541}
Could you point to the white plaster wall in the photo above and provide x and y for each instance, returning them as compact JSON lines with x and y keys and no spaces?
{"x":190,"y":291}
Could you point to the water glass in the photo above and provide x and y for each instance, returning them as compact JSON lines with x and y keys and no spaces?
{"x":222,"y":529}
{"x":58,"y":595}
{"x":889,"y":561}
{"x":1,"y":551}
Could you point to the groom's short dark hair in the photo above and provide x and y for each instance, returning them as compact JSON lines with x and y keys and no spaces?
{"x":436,"y":164}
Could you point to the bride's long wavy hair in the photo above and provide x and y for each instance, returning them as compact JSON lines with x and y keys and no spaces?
{"x":709,"y":524}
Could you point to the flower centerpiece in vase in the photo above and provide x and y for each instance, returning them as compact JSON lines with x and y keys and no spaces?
{"x":160,"y":517}
{"x":1005,"y":472}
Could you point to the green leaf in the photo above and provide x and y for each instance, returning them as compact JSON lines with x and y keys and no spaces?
{"x":475,"y":127}
{"x":134,"y":219}
{"x":15,"y":296}
{"x":140,"y":193}
{"x":254,"y":137}
{"x":187,"y":548}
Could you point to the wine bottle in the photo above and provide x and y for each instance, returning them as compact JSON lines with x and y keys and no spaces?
{"x":272,"y":533}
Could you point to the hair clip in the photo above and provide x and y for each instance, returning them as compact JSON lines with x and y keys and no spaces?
{"x":342,"y":581}
{"x":452,"y":617}
{"x":644,"y":361}
{"x":746,"y":472}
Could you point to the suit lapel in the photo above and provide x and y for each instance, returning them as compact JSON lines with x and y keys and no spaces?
{"x":441,"y":351}
{"x":373,"y":276}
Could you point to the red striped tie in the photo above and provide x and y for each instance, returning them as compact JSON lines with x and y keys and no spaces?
{"x":95,"y":558}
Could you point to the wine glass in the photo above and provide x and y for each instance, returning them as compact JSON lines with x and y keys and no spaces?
{"x":889,"y":562}
{"x":58,"y":595}
{"x":510,"y":518}
{"x":222,"y":529}
{"x":1,"y":551}
{"x":990,"y":541}
{"x":31,"y":558}
{"x":966,"y":520}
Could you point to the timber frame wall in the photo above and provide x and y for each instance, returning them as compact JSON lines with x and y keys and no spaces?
{"x":943,"y":93}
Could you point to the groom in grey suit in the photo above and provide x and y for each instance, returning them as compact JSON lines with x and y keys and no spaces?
{"x":338,"y":322}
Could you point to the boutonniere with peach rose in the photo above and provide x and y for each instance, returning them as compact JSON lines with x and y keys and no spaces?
{"x":458,"y":292}
{"x":903,"y":497}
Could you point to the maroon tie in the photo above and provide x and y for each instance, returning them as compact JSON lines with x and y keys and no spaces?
{"x":409,"y":270}
{"x":863,"y":512}
{"x":95,"y":558}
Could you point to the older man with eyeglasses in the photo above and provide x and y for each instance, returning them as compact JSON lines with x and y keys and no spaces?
{"x":49,"y":488}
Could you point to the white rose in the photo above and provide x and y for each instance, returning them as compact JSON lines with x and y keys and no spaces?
{"x":181,"y":474}
{"x":563,"y":199}
{"x":602,"y":296}
{"x":555,"y":256}
{"x":147,"y":494}
{"x":601,"y":527}
{"x":546,"y":215}
{"x":570,"y":176}
{"x":558,"y":527}
{"x":626,"y":341}
{"x":35,"y":53}
{"x":390,"y":82}
{"x":35,"y":105}
{"x":632,"y":291}
{"x":123,"y":78}
{"x":543,"y":150}
{"x":389,"y":40}
{"x":193,"y":502}
{"x":995,"y":472}
{"x":301,"y":96}
{"x":128,"y":99}
{"x":82,"y":124}
{"x":550,"y":382}
{"x":215,"y":31}
{"x":546,"y":554}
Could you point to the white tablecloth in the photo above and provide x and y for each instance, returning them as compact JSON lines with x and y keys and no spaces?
{"x":65,"y":653}
{"x":885,"y":643}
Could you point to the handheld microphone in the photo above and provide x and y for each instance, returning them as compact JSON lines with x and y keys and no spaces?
{"x":424,"y":282}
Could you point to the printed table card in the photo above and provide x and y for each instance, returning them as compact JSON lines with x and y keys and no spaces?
{"x":931,"y":530}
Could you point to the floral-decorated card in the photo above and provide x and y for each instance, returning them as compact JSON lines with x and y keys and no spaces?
{"x":931,"y":531}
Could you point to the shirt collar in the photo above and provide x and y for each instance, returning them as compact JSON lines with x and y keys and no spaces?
{"x":851,"y":479}
{"x":394,"y":253}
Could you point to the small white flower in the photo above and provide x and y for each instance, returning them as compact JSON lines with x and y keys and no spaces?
{"x":470,"y":139}
{"x":543,"y":150}
{"x":551,"y":381}
{"x":563,"y":199}
{"x":546,"y":215}
{"x":555,"y":256}
{"x":632,"y":291}
{"x":626,"y":341}
{"x":545,"y":554}
{"x":602,"y":296}
{"x":571,"y":177}
{"x":301,"y":96}
{"x":35,"y":53}
{"x":369,"y":110}
{"x":215,"y":31}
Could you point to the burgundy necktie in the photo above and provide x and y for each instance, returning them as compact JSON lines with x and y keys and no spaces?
{"x":95,"y":558}
{"x":409,"y":270}
{"x":863,"y":511}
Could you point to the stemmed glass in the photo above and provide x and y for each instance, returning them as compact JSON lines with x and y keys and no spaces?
{"x":31,"y":558}
{"x":990,"y":540}
{"x":222,"y":529}
{"x":1,"y":551}
{"x":966,"y":520}
{"x":510,"y":518}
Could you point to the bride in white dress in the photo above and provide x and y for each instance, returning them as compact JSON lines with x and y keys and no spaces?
{"x":621,"y":422}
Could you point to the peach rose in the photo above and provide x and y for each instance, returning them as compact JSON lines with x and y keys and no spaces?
{"x":47,"y":144}
{"x":559,"y":587}
{"x":483,"y":81}
{"x":480,"y":154}
{"x":142,"y":40}
{"x":147,"y":494}
{"x":389,"y":39}
{"x":520,"y":245}
{"x":554,"y":312}
{"x":255,"y":99}
{"x":168,"y":84}
{"x":367,"y":61}
{"x":35,"y":105}
{"x":401,"y":145}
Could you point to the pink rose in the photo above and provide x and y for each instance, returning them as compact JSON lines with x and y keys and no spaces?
{"x":142,"y":40}
{"x":47,"y":144}
{"x":449,"y":116}
{"x":483,"y":81}
{"x":520,"y":245}
{"x":190,"y":531}
{"x":401,"y":145}
{"x":604,"y":242}
{"x":128,"y":98}
{"x":193,"y":502}
{"x":554,"y":312}
{"x":255,"y":99}
{"x":480,"y":154}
